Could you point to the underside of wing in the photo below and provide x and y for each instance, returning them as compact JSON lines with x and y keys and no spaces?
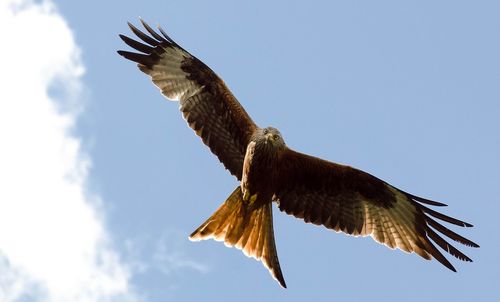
{"x":205,"y":102}
{"x":348,"y":200}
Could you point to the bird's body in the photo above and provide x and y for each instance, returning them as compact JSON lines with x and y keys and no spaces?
{"x":335,"y":196}
{"x":260,"y":165}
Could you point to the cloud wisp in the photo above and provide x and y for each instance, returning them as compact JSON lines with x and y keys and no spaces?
{"x":53,"y":242}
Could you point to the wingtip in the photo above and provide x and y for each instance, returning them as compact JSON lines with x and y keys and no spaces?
{"x":448,"y":265}
{"x":144,"y":23}
{"x":133,"y":28}
{"x":473,"y":244}
{"x":164,"y":33}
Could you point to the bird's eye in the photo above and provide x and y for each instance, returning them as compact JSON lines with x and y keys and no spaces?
{"x":276,"y":137}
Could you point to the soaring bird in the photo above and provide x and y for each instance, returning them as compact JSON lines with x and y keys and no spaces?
{"x":336,"y":196}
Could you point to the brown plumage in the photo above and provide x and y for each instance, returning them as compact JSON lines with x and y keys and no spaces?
{"x":336,"y":196}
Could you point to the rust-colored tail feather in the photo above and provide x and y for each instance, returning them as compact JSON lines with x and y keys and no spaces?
{"x":246,"y":228}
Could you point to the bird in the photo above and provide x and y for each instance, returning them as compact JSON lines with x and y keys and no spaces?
{"x":336,"y":196}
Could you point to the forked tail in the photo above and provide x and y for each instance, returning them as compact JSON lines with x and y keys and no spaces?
{"x":248,"y":229}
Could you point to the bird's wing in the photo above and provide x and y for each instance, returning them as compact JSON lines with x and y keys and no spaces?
{"x":348,"y":200}
{"x":206,"y":103}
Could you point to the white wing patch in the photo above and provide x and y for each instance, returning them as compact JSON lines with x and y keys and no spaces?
{"x":395,"y":226}
{"x":169,"y":77}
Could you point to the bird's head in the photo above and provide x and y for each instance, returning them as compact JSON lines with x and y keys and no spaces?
{"x":270,"y":137}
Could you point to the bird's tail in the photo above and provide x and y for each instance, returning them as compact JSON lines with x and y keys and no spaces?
{"x":249,"y":229}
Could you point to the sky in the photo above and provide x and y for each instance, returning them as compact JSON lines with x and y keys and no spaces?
{"x":103,"y":181}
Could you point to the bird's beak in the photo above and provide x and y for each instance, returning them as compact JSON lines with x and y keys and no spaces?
{"x":269,"y":137}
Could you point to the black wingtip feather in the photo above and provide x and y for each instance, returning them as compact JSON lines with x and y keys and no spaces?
{"x":428,"y":201}
{"x":443,"y":217}
{"x":151,"y":31}
{"x":166,"y":36}
{"x":137,"y":57}
{"x":449,"y":233}
{"x":137,"y":45}
{"x":420,"y":199}
{"x":439,"y":256}
{"x":434,"y":236}
{"x":425,"y":200}
{"x":142,"y":35}
{"x":446,"y":246}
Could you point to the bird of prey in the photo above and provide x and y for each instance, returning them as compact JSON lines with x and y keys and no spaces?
{"x":336,"y":196}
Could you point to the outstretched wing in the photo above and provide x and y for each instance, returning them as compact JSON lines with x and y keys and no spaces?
{"x":206,"y":103}
{"x":348,"y":200}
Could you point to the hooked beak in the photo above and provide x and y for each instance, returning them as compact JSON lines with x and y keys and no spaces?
{"x":269,"y":137}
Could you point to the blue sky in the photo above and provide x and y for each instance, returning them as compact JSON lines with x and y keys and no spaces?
{"x":406,"y":91}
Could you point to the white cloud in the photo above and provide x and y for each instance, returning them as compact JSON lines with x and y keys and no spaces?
{"x":164,"y":253}
{"x":53,"y":244}
{"x":168,"y":255}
